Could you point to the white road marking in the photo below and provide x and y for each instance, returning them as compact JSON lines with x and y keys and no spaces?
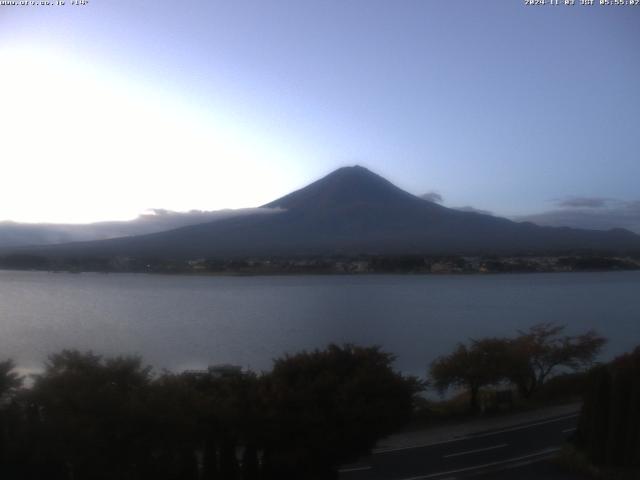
{"x":567,"y":430}
{"x":477,"y":450}
{"x":481,"y":435}
{"x":541,"y":455}
{"x":355,"y":469}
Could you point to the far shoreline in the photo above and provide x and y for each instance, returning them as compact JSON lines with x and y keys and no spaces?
{"x":416,"y":265}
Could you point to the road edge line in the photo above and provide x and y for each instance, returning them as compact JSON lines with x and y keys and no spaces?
{"x":472,"y":436}
{"x":542,"y":454}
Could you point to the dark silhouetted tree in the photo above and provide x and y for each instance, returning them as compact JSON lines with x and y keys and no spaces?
{"x":609,"y":425}
{"x":88,"y":417}
{"x":328,"y":407}
{"x":479,"y":364}
{"x":542,"y":350}
{"x":10,"y":380}
{"x":527,"y":360}
{"x":92,"y":414}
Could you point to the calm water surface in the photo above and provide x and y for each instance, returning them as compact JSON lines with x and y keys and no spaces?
{"x":181,"y":322}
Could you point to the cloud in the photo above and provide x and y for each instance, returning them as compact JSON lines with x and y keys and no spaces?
{"x":583,"y":202}
{"x":432,"y":197}
{"x":161,"y":218}
{"x":473,"y":210}
{"x":155,"y":220}
{"x":590,"y":214}
{"x":435,"y":197}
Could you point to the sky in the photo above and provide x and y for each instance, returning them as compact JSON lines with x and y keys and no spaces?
{"x":115,"y":107}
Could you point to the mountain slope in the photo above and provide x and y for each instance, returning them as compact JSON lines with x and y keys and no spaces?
{"x":354,"y":211}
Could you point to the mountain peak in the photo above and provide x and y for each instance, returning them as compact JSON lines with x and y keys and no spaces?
{"x":354,"y":168}
{"x":344,"y":187}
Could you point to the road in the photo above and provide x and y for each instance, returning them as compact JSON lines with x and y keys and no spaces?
{"x":516,"y":447}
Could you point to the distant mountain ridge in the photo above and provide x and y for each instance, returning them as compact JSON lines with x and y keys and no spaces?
{"x":353,"y":211}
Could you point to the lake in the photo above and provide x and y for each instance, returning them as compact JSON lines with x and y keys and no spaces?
{"x":180,"y":322}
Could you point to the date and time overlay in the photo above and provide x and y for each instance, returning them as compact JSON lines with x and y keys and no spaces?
{"x":531,"y":3}
{"x":583,"y":3}
{"x":43,"y":3}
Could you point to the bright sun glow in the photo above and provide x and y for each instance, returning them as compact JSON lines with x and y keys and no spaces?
{"x":81,"y":144}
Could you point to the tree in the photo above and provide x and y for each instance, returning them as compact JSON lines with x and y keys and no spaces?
{"x":527,"y":360}
{"x":609,"y":426}
{"x":229,"y":414}
{"x":175,"y":427}
{"x":537,"y":353}
{"x":328,"y":407}
{"x":472,"y":367}
{"x":10,"y":380}
{"x":92,"y":414}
